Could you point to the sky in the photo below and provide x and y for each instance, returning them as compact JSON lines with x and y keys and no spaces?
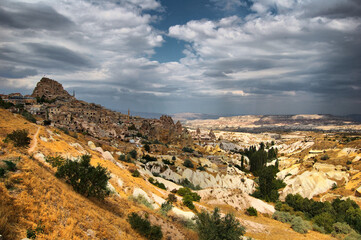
{"x":205,"y":56}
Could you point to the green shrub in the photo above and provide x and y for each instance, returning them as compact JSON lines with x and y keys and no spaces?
{"x":165,"y":208}
{"x":20,"y":138}
{"x":252,"y":211}
{"x":317,"y":228}
{"x":146,"y":147}
{"x":325,"y":157}
{"x":187,"y":149}
{"x":201,"y":168}
{"x":156,"y":183}
{"x":10,"y":165}
{"x":299,"y":225}
{"x":353,"y":236}
{"x":171,"y":198}
{"x":284,"y":217}
{"x":31,"y":233}
{"x":28,"y":116}
{"x":213,"y":226}
{"x":55,"y":161}
{"x":187,"y":184}
{"x":188,"y":202}
{"x":325,"y":220}
{"x":353,"y":218}
{"x":133,"y":153}
{"x":188,"y":163}
{"x":135,"y":173}
{"x":144,"y":228}
{"x":165,"y":161}
{"x":85,"y":179}
{"x":149,"y":158}
{"x":2,"y":172}
{"x":342,"y":228}
{"x":186,"y":191}
{"x":140,"y":199}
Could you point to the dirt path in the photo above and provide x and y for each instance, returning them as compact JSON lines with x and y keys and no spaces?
{"x":34,"y":143}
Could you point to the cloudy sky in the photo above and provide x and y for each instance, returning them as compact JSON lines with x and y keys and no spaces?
{"x":207,"y":56}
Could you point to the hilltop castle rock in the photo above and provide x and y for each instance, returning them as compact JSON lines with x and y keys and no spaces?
{"x":69,"y":113}
{"x":50,"y":89}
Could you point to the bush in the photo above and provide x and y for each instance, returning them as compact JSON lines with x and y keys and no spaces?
{"x":146,"y":147}
{"x":149,"y":158}
{"x":135,"y":173}
{"x":317,"y":228}
{"x":187,"y":149}
{"x":187,"y":184}
{"x":165,"y":208}
{"x":171,"y":198}
{"x":28,"y":116}
{"x":140,"y":199}
{"x":55,"y":161}
{"x":284,"y":217}
{"x":173,"y":158}
{"x":252,"y":211}
{"x":186,"y":191}
{"x":188,"y":163}
{"x":342,"y":228}
{"x":299,"y":225}
{"x":213,"y":226}
{"x":201,"y":168}
{"x":124,"y":158}
{"x":353,"y":236}
{"x":325,"y":220}
{"x":85,"y":179}
{"x":20,"y":138}
{"x":156,"y":183}
{"x":188,"y":202}
{"x":2,"y":172}
{"x":144,"y":228}
{"x":10,"y":166}
{"x":133,"y":153}
{"x":325,"y":157}
{"x":165,"y":161}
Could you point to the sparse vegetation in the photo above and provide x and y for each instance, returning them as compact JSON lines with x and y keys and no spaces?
{"x":188,"y":149}
{"x":188,"y":163}
{"x":56,"y":161}
{"x":299,"y":225}
{"x":165,"y":208}
{"x":252,"y":211}
{"x":19,"y":137}
{"x":187,"y":184}
{"x":10,"y":166}
{"x":135,"y":173}
{"x":144,"y":228}
{"x":85,"y":179}
{"x":133,"y":154}
{"x":325,"y":157}
{"x":213,"y":226}
{"x":140,"y":199}
{"x":156,"y":183}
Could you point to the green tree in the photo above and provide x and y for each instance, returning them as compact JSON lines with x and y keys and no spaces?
{"x":86,"y":179}
{"x":19,"y":137}
{"x":214,"y":227}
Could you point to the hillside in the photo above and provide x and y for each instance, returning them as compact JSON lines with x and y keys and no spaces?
{"x":36,"y":197}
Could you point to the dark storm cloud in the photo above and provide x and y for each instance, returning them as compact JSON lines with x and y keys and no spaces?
{"x":45,"y":56}
{"x":33,"y":16}
{"x":339,"y":9}
{"x":13,"y":72}
{"x":59,"y":54}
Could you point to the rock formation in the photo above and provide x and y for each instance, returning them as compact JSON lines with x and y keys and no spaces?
{"x":50,"y":89}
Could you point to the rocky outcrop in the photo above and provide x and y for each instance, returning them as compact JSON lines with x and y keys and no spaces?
{"x":233,"y":179}
{"x":50,"y":89}
{"x":308,"y":184}
{"x":235,"y":198}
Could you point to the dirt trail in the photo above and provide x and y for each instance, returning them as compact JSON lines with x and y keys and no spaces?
{"x":34,"y":143}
